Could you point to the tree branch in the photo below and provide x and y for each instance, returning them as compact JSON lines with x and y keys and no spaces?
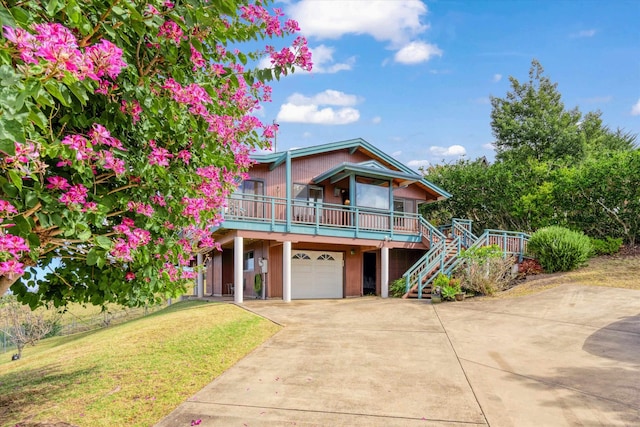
{"x":104,"y":16}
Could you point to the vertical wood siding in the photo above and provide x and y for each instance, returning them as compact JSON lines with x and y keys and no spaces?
{"x":274,"y":282}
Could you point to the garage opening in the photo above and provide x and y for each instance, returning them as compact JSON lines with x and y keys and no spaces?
{"x":316,"y":274}
{"x":369,"y":273}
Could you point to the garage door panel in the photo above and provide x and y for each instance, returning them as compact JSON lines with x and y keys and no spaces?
{"x":316,"y":274}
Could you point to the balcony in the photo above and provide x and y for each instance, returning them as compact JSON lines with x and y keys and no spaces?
{"x":273,"y":214}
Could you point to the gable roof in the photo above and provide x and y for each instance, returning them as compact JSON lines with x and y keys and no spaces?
{"x":353,"y":145}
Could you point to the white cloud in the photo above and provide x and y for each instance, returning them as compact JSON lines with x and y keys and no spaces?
{"x":417,"y":52}
{"x":376,"y":120}
{"x":451,"y":151}
{"x":635,"y":110}
{"x":304,"y":109}
{"x":583,"y":33}
{"x":323,"y":61}
{"x":417,"y":164}
{"x":489,"y":146}
{"x":497,"y":78}
{"x":396,"y":21}
{"x":306,"y":135}
{"x":396,"y":153}
{"x":328,"y":97}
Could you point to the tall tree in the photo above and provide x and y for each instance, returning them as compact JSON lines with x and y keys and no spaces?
{"x":123,"y":126}
{"x":531,"y":121}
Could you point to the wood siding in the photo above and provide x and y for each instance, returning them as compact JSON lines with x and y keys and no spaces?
{"x":353,"y":274}
{"x":400,"y":260}
{"x":274,"y":282}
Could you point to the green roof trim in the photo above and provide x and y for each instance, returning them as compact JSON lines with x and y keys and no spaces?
{"x":366,"y":170}
{"x":278,"y":158}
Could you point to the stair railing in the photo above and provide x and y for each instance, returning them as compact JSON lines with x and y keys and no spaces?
{"x":415,"y":274}
{"x":441,"y":264}
{"x":510,"y":242}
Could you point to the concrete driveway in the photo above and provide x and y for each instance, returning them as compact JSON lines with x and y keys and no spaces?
{"x":567,"y":356}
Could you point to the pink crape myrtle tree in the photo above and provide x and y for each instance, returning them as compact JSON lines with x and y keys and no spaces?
{"x":124,"y":124}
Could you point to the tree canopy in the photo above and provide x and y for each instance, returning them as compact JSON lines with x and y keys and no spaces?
{"x":553,"y":167}
{"x":123,"y":127}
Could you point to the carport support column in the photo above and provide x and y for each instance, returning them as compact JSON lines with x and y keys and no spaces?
{"x":286,"y":271}
{"x":384,"y":274}
{"x":238,"y":266}
{"x":200,"y":276}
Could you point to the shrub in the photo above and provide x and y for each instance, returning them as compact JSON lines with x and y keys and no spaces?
{"x":398,"y":287}
{"x":449,"y":292}
{"x":485,"y":270}
{"x":441,"y":280}
{"x":529,"y":267}
{"x":609,"y":246}
{"x":559,"y":249}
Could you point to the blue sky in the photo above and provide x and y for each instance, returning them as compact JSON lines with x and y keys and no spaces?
{"x":414,"y":77}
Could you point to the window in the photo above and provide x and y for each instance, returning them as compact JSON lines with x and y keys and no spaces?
{"x":305,"y":199}
{"x":404,"y":205}
{"x":300,"y":256}
{"x":326,"y":257}
{"x":251,"y":186}
{"x":248,"y":261}
{"x":370,"y":194}
{"x":306,"y":192}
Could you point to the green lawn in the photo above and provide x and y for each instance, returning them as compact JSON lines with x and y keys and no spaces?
{"x":129,"y":374}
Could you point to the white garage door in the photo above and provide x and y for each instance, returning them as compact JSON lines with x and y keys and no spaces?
{"x":316,"y":274}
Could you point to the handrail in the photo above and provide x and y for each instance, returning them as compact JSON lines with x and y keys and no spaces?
{"x":275,"y":211}
{"x":511,"y":242}
{"x":502,"y":238}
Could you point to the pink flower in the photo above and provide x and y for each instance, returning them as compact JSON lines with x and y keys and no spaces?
{"x":57,"y":183}
{"x":13,"y":244}
{"x":159,"y":156}
{"x":7,"y":208}
{"x":184,"y":155}
{"x":77,"y":194}
{"x":106,"y":58}
{"x":121,"y":250}
{"x":80,"y":144}
{"x":197,"y":59}
{"x":170,"y":30}
{"x":11,"y":267}
{"x":140,"y":208}
{"x":129,"y":276}
{"x":90,"y":207}
{"x":101,"y":135}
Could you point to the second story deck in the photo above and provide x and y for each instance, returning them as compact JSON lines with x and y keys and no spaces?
{"x":273,"y":214}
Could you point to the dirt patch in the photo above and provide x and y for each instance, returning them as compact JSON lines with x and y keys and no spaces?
{"x":619,"y":271}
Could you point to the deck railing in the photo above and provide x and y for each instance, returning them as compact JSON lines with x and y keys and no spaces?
{"x":274,"y":210}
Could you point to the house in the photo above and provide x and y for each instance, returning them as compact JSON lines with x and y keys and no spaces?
{"x":336,"y":220}
{"x":331,"y":221}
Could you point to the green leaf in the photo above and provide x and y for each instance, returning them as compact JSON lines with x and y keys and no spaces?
{"x":52,"y":7}
{"x":92,"y":257}
{"x":104,"y":242}
{"x":80,"y":92}
{"x":59,"y":91}
{"x":30,"y":199}
{"x":39,"y":119}
{"x":16,"y":179}
{"x":34,"y":240}
{"x":22,"y":226}
{"x":84,"y":235}
{"x":11,"y":131}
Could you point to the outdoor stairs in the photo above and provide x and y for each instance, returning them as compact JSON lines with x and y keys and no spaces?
{"x":450,"y":253}
{"x":445,"y":245}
